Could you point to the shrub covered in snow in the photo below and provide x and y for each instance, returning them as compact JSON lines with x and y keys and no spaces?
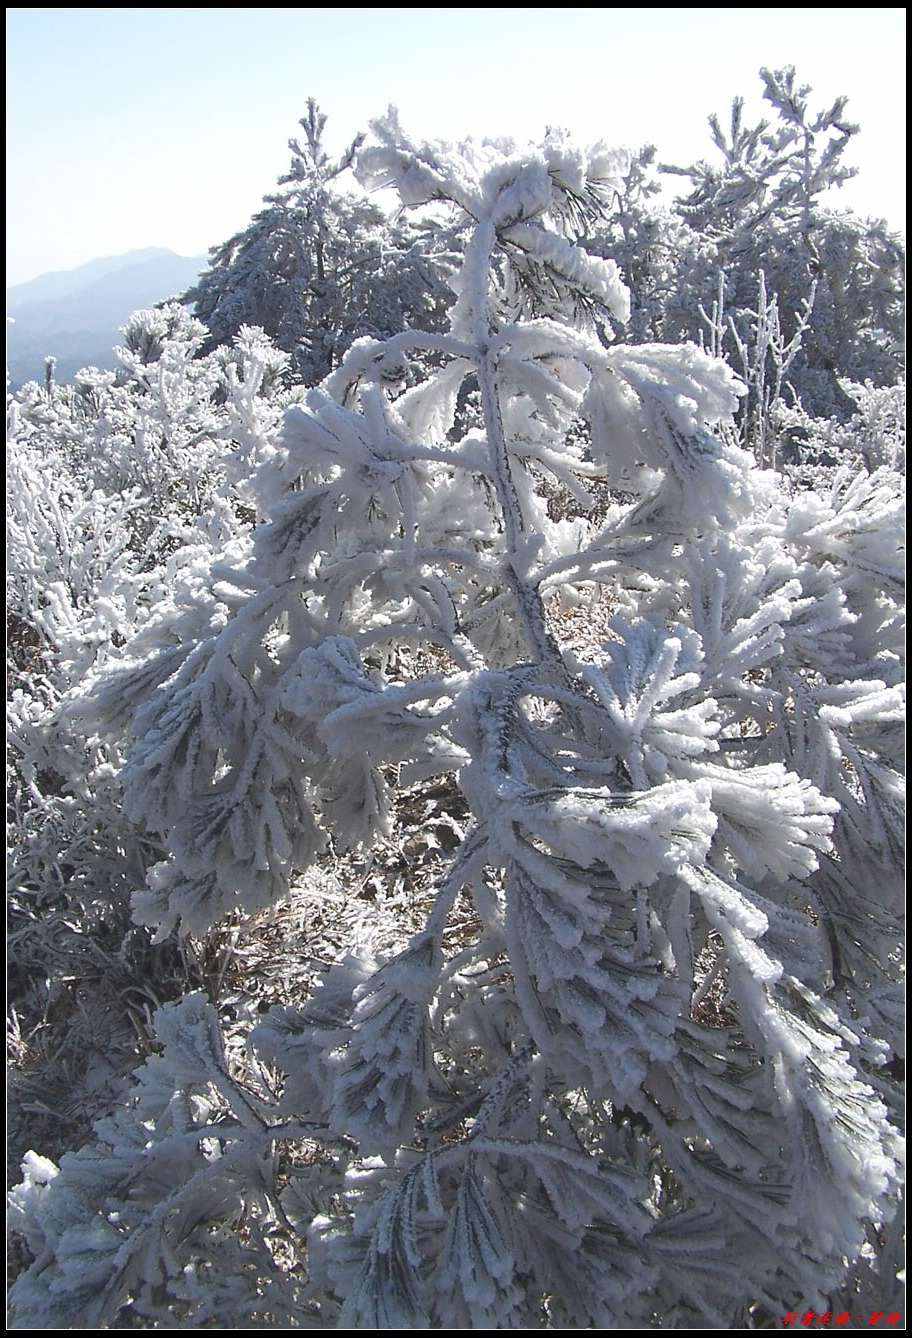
{"x":651,"y":1082}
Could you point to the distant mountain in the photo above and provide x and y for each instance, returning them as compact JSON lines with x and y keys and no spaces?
{"x":75,"y":314}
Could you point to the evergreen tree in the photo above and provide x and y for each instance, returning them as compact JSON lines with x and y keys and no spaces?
{"x":761,"y":210}
{"x":760,"y":214}
{"x":318,"y":267}
{"x":537,"y":1122}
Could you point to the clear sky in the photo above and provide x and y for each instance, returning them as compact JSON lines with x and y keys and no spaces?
{"x":164,"y":127}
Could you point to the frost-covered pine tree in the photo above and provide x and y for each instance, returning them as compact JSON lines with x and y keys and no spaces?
{"x":764,"y":204}
{"x":647,"y":1084}
{"x":318,"y":265}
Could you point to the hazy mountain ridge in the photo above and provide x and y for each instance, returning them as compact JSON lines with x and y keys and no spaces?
{"x":75,"y":314}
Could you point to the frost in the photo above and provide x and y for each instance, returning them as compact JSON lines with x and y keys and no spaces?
{"x":627,"y":1062}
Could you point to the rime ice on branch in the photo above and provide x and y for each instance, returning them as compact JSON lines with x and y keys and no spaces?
{"x":548,"y":1129}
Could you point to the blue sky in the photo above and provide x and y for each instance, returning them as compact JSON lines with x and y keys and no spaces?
{"x":164,"y":127}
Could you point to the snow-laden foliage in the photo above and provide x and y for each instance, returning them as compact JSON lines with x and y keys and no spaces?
{"x":652,"y":1082}
{"x":762,"y":202}
{"x":872,"y":438}
{"x":319,"y":266}
{"x":113,"y":484}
